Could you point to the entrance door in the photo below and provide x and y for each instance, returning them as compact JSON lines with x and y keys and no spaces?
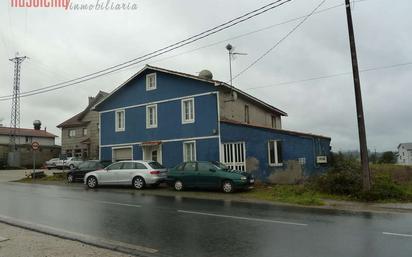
{"x":234,"y":155}
{"x":152,"y":153}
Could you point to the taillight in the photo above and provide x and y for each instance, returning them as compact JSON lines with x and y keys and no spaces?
{"x":155,"y":172}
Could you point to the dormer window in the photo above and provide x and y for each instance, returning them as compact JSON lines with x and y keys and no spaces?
{"x":151,"y":82}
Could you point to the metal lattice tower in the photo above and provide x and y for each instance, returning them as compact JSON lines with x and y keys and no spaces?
{"x":15,"y":106}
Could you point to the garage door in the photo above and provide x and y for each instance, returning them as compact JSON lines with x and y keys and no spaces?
{"x":122,"y":154}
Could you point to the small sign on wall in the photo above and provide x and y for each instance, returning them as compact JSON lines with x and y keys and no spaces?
{"x":322,"y":159}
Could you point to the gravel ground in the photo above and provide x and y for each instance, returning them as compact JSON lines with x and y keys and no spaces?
{"x":25,"y":243}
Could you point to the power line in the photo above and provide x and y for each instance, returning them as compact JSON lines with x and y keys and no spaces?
{"x":280,"y":41}
{"x":156,"y":53}
{"x":332,"y":75}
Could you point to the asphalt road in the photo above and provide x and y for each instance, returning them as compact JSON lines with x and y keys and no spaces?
{"x":173,"y":226}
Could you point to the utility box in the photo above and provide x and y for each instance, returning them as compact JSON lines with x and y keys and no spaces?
{"x":322,"y":159}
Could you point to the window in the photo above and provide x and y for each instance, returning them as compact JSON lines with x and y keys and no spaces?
{"x":273,"y":122}
{"x":69,"y":153}
{"x":275,"y":153}
{"x":205,"y":166}
{"x":247,"y":119}
{"x":115,"y":166}
{"x":139,"y":166}
{"x":190,"y":166}
{"x":188,"y":111}
{"x":128,"y":166}
{"x":120,"y":120}
{"x":180,"y":167}
{"x":84,"y":131}
{"x":151,"y":116}
{"x":151,"y":82}
{"x":189,"y":151}
{"x":29,"y":139}
{"x":156,"y":165}
{"x":72,"y":132}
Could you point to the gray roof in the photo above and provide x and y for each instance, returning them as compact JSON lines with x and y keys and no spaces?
{"x":217,"y":83}
{"x":407,"y":146}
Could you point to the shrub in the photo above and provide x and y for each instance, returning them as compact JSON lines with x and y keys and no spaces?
{"x":384,"y":188}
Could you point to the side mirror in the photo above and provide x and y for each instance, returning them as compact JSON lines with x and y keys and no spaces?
{"x":212,"y":170}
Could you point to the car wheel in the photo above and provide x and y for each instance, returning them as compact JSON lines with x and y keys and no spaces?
{"x":227,"y":186}
{"x":178,"y":185}
{"x":71,"y":166}
{"x":70,"y":178}
{"x":92,"y":182}
{"x":138,"y":183}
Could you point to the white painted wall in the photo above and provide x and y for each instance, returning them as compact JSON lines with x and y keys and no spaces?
{"x":405,"y":155}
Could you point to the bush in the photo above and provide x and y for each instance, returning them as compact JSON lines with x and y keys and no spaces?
{"x":384,"y":188}
{"x":345,"y":178}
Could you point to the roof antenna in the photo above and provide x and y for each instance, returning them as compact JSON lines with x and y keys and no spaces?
{"x":232,"y":56}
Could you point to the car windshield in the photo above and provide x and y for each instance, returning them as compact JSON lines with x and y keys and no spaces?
{"x":220,"y":165}
{"x":156,"y":165}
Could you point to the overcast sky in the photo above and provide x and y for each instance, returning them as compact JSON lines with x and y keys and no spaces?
{"x":66,"y":44}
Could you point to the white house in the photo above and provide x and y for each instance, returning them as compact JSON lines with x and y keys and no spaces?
{"x":405,"y":154}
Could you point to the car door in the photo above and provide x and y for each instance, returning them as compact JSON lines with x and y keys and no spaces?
{"x":110,"y":174}
{"x":124,"y":175}
{"x":207,"y":176}
{"x":188,"y":175}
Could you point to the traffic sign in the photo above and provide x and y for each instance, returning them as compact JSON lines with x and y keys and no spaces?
{"x":35,"y":146}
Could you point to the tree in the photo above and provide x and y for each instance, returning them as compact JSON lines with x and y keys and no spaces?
{"x":388,"y":157}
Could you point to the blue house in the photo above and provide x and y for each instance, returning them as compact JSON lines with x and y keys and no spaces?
{"x":171,"y":117}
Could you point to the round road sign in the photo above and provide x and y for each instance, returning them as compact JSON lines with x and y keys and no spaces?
{"x":35,"y":146}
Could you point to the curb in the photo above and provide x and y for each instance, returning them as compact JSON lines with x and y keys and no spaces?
{"x":117,"y":246}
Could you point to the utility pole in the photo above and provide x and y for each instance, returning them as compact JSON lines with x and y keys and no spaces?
{"x":366,"y":177}
{"x":15,"y":106}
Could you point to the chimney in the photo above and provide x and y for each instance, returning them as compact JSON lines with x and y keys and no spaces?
{"x":91,"y":99}
{"x":37,"y":124}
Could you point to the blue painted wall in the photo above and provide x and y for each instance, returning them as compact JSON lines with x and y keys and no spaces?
{"x":294,"y":147}
{"x":172,"y":152}
{"x":169,"y":123}
{"x":168,"y":86}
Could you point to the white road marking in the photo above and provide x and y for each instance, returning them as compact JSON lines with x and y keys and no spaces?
{"x":242,"y":218}
{"x":121,"y":204}
{"x":396,"y":234}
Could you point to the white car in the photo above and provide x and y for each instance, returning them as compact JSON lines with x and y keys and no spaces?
{"x":70,"y":162}
{"x":52,"y":163}
{"x":135,"y":173}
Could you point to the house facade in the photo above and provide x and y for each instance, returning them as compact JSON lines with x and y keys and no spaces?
{"x":405,"y":154}
{"x":24,"y":138}
{"x":172,"y":117}
{"x":80,"y":133}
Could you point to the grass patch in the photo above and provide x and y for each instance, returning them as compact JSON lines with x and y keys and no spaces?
{"x":293,"y":194}
{"x":57,"y":177}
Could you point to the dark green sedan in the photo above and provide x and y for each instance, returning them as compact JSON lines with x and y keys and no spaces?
{"x":208,"y":175}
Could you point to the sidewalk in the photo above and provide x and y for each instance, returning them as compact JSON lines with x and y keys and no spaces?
{"x":22,"y":243}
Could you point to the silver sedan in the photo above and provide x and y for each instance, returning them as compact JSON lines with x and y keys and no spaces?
{"x":135,"y":173}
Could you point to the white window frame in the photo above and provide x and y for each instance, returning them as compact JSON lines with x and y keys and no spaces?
{"x":184,"y":120}
{"x":185,"y":159}
{"x":74,"y":133}
{"x":148,"y":76}
{"x":148,"y":125}
{"x":276,"y":163}
{"x":85,"y":131}
{"x":119,"y":128}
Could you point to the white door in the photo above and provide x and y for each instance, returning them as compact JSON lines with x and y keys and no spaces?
{"x":125,"y":174}
{"x":152,"y":153}
{"x":234,"y":155}
{"x":122,"y":154}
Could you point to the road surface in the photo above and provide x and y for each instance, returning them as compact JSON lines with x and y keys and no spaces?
{"x":174,"y":226}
